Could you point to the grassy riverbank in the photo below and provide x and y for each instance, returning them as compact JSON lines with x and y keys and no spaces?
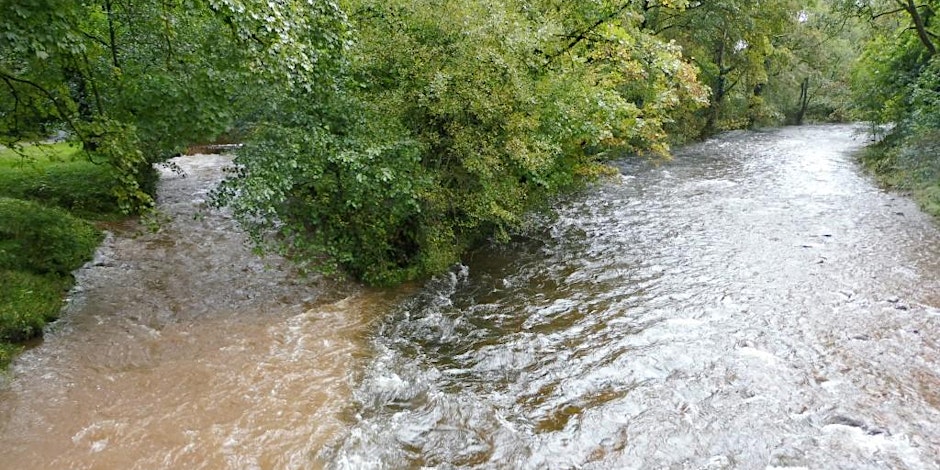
{"x":910,"y":166}
{"x":49,"y":196}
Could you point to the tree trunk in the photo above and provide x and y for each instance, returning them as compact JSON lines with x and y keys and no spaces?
{"x":919,"y":25}
{"x":804,"y":101}
{"x":718,"y":93}
{"x":754,"y":107}
{"x":112,"y":34}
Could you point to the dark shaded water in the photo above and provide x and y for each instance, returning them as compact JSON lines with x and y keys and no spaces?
{"x":755,"y":303}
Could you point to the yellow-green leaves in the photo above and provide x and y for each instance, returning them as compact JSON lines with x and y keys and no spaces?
{"x":457,"y":121}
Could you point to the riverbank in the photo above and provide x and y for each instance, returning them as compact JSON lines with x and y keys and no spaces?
{"x":909,"y":167}
{"x":183,"y":348}
{"x":50,"y":200}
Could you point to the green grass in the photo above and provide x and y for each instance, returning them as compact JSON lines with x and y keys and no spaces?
{"x":46,"y":193}
{"x":27,"y":302}
{"x":59,"y":175}
{"x":39,"y":248}
{"x":39,"y":153}
{"x":43,"y":240}
{"x":910,"y":167}
{"x":929,"y":198}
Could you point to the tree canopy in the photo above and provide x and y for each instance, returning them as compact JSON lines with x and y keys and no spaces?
{"x":449,"y":121}
{"x":135,"y":82}
{"x":383,"y":139}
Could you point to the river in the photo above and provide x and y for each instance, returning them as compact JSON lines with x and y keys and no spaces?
{"x":757,"y":302}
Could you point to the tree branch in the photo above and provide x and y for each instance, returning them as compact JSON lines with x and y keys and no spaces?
{"x":16,"y":105}
{"x":886,"y":13}
{"x":113,"y":46}
{"x":919,"y":25}
{"x":61,"y":109}
{"x":95,"y":38}
{"x":584,"y":33}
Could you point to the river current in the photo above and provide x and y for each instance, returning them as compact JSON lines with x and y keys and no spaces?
{"x":757,"y":302}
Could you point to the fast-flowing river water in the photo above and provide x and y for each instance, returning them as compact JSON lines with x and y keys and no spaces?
{"x":755,"y":303}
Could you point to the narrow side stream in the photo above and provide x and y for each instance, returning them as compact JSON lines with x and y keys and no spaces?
{"x":182,"y":349}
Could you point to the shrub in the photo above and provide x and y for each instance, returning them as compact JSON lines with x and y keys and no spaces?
{"x":446,"y":129}
{"x":7,"y":351}
{"x":43,"y":240}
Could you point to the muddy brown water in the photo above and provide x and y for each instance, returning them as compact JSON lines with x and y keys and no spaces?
{"x":755,"y":303}
{"x":182,"y":349}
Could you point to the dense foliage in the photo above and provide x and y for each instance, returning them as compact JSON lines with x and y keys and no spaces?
{"x":385,"y":138}
{"x":897,"y":88}
{"x":444,"y":129}
{"x":765,"y":63}
{"x":132,"y":82}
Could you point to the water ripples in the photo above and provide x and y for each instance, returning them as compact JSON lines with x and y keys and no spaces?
{"x":750,"y":304}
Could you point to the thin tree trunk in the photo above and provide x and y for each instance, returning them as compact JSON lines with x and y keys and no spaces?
{"x":754,"y":108}
{"x":718,"y":93}
{"x":112,"y":34}
{"x":804,"y":101}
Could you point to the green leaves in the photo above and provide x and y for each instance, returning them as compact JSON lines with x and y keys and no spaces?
{"x":136,"y":82}
{"x":444,"y":124}
{"x":385,"y":141}
{"x":328,"y":200}
{"x":298,"y":41}
{"x":737,"y":46}
{"x":896,"y":82}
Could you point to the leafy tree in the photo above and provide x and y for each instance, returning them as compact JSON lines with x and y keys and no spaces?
{"x":912,"y":15}
{"x":135,"y":82}
{"x":810,"y":71}
{"x":896,"y":82}
{"x":739,"y":46}
{"x":385,"y":138}
{"x":900,"y":49}
{"x":451,"y":121}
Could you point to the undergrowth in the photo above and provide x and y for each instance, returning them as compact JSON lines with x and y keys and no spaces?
{"x":909,"y":165}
